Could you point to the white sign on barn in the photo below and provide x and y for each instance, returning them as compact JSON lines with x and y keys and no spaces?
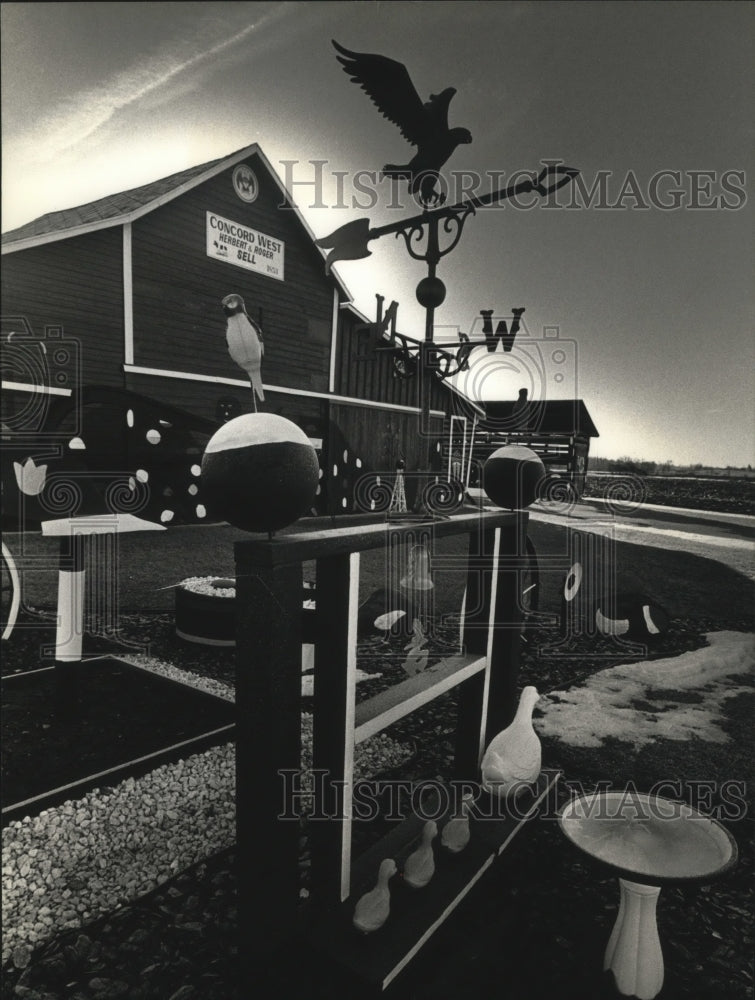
{"x":238,"y":244}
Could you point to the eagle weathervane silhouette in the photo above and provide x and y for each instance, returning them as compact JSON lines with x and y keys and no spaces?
{"x":388,"y":85}
{"x":435,"y":233}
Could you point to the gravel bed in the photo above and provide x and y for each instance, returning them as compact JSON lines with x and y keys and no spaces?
{"x":87,"y":857}
{"x":210,"y":685}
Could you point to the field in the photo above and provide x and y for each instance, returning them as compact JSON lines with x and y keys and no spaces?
{"x":734,"y":496}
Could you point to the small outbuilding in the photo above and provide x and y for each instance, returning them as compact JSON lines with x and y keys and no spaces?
{"x":558,"y":430}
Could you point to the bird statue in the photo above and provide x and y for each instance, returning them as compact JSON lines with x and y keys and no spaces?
{"x":513,"y":758}
{"x":420,"y":865}
{"x":388,"y":85}
{"x":383,"y":610}
{"x":455,"y":835}
{"x":373,"y":908}
{"x":384,"y":623}
{"x":245,"y":344}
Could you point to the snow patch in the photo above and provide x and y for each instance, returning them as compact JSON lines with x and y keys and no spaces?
{"x":585,"y":716}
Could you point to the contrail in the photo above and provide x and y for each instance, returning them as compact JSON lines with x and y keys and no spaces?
{"x":71,"y":124}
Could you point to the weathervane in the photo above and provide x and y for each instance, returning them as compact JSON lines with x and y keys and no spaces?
{"x":436,"y":231}
{"x":388,"y":85}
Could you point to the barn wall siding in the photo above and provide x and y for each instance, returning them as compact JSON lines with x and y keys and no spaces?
{"x":364,"y":443}
{"x":75,"y":284}
{"x":365,"y":370}
{"x":178,"y":320}
{"x":206,"y":399}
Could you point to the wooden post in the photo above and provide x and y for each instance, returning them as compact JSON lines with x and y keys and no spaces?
{"x":507,"y":628}
{"x":487,"y":702}
{"x":268,"y":738}
{"x":69,"y":632}
{"x":476,"y":615}
{"x":268,"y":705}
{"x":75,"y":534}
{"x":333,"y":724}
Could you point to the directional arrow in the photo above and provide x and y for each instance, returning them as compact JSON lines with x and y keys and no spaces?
{"x":349,"y":242}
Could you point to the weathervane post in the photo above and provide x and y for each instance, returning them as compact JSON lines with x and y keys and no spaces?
{"x":388,"y":85}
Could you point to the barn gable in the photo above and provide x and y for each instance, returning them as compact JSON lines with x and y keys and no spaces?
{"x":136,"y":279}
{"x":191,"y":252}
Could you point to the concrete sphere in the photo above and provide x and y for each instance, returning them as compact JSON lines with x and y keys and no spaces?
{"x":431,"y":292}
{"x":511,"y":476}
{"x":259,"y":472}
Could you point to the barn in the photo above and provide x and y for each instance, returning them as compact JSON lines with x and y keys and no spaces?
{"x":120,"y":299}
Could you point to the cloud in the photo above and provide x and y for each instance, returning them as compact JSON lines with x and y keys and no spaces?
{"x":74,"y":121}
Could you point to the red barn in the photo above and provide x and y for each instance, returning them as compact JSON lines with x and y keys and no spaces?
{"x":125,"y":294}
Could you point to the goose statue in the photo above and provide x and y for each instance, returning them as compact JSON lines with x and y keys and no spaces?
{"x":455,"y":835}
{"x":420,"y":865}
{"x":513,"y":758}
{"x":373,"y":907}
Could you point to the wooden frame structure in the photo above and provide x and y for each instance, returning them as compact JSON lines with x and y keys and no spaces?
{"x":268,"y":743}
{"x":559,"y":431}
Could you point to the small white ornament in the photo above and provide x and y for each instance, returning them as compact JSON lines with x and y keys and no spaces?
{"x":420,"y":865}
{"x":373,"y":908}
{"x":30,"y":477}
{"x":514,"y":756}
{"x":455,"y":835}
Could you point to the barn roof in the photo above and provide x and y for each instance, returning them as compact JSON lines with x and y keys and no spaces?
{"x":552,"y":416}
{"x":126,"y":206}
{"x":113,"y":208}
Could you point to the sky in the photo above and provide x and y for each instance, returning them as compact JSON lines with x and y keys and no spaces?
{"x":644,"y":272}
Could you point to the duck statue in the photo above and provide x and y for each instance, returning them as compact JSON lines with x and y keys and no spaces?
{"x":373,"y":908}
{"x":455,"y":835}
{"x":513,"y":758}
{"x":420,"y":865}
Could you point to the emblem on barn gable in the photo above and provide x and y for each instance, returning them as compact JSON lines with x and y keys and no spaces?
{"x":245,"y":183}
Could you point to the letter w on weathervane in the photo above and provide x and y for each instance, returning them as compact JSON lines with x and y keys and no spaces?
{"x":502,"y":332}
